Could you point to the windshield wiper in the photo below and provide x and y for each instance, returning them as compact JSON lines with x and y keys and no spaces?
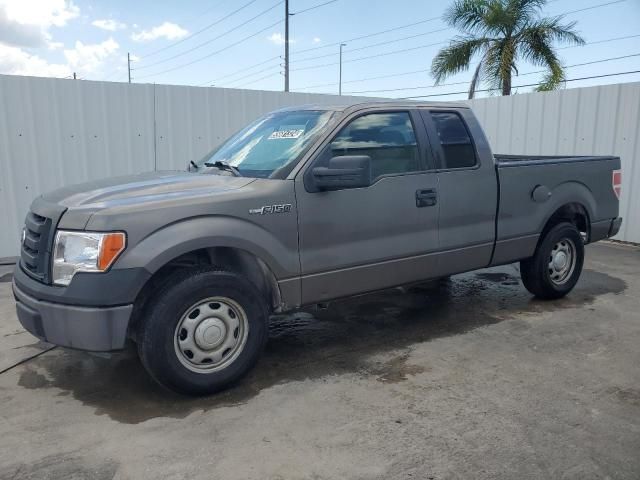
{"x":224,"y":166}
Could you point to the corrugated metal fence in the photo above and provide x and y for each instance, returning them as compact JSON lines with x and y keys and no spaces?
{"x":58,"y":132}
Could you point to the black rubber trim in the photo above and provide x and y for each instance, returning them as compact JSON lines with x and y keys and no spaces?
{"x":616,"y":223}
{"x":110,"y":289}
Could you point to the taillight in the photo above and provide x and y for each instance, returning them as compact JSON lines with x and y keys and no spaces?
{"x":616,"y":182}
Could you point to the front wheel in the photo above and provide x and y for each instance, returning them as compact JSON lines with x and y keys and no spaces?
{"x":555,"y":267}
{"x":204,"y":330}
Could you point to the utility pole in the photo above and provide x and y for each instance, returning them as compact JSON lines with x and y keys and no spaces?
{"x":129,"y":66}
{"x":340,"y":74}
{"x":286,"y":45}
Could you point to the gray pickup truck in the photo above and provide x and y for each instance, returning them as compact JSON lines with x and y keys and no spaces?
{"x":303,"y":206}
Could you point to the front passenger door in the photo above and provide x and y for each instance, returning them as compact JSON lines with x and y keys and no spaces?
{"x":362,"y":239}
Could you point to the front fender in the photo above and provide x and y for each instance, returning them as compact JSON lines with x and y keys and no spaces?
{"x":168,"y":243}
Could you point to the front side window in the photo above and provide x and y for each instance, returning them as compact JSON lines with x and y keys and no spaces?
{"x":387,"y":138}
{"x":455,"y":140}
{"x":271,"y":142}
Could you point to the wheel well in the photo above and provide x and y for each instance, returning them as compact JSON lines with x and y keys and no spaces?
{"x":226,"y":258}
{"x":573,"y":213}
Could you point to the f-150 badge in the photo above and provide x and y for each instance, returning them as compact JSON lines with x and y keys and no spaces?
{"x":267,"y":209}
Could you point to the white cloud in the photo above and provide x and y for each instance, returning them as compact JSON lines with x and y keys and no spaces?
{"x":27,"y":22}
{"x":316,"y":40}
{"x":278,"y":39}
{"x":109,"y":25}
{"x":167,"y":30}
{"x":54,"y":45}
{"x":15,"y":61}
{"x":89,"y":58}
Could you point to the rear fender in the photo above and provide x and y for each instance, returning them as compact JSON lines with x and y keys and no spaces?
{"x":568,"y":193}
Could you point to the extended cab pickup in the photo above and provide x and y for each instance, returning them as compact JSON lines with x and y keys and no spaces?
{"x":303,"y":206}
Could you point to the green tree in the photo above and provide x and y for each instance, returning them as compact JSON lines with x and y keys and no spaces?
{"x":499,"y":34}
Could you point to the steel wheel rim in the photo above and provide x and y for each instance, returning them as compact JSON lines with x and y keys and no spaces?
{"x":562,"y":261}
{"x":211,"y":334}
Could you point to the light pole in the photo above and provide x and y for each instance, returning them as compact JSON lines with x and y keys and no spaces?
{"x":340,"y":71}
{"x":286,"y":45}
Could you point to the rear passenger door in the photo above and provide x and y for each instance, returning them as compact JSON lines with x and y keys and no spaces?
{"x":361,"y":239}
{"x":467,"y":189}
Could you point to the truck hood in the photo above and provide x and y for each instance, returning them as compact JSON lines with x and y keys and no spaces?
{"x":142,"y":188}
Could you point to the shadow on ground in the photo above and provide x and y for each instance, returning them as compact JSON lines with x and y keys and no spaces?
{"x":340,"y":339}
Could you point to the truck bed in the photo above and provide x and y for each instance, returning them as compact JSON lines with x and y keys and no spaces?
{"x":583,"y":182}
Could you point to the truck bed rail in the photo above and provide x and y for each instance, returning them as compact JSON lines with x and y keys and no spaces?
{"x":523,"y":160}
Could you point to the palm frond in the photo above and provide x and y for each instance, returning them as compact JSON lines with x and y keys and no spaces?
{"x":467,"y":15}
{"x":551,"y":81}
{"x":525,"y":11}
{"x":552,"y":29}
{"x":456,"y":57}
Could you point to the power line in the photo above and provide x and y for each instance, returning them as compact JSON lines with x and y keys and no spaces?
{"x":601,"y":41}
{"x":201,"y":30}
{"x":200,"y":45}
{"x":242,"y":70}
{"x":522,"y":86}
{"x":520,"y":75}
{"x":259,"y":79}
{"x":388,"y":42}
{"x":374,"y":34}
{"x":242,"y":40}
{"x":592,"y":7}
{"x":313,"y":7}
{"x":256,"y":73}
{"x":424,"y":70}
{"x":393,"y":52}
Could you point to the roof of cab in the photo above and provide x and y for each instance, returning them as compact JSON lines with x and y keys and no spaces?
{"x":375,"y":104}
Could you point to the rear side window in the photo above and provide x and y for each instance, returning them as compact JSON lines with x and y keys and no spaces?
{"x":455,"y":140}
{"x":388,"y":138}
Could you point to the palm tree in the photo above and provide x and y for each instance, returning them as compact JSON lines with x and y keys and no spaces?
{"x":499,"y":34}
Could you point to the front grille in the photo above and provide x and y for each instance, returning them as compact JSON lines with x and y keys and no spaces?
{"x":35,"y":247}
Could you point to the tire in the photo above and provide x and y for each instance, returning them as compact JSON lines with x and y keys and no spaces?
{"x":545,"y":275}
{"x":217,"y":316}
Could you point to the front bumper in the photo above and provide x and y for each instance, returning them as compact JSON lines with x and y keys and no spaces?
{"x":99,"y":329}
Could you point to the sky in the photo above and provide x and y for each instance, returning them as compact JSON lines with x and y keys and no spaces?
{"x":239,"y":43}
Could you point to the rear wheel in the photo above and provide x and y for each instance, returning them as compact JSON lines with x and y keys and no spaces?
{"x":556,"y":266}
{"x":203,"y":331}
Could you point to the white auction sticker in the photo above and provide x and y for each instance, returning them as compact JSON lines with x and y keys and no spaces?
{"x":279,"y":134}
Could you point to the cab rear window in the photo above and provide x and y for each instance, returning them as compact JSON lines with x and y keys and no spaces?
{"x":455,"y":140}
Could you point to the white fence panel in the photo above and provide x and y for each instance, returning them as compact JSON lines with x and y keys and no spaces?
{"x":59,"y":132}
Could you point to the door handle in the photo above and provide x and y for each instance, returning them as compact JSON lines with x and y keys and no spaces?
{"x":426,"y":198}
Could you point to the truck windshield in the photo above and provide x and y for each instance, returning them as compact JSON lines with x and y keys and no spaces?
{"x":270,"y":143}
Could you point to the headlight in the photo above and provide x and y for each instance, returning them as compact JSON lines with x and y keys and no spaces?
{"x":84,"y":252}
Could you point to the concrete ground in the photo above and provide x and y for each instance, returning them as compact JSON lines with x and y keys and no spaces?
{"x":470,"y":379}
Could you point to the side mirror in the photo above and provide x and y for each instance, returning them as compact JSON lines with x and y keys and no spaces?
{"x":350,"y":171}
